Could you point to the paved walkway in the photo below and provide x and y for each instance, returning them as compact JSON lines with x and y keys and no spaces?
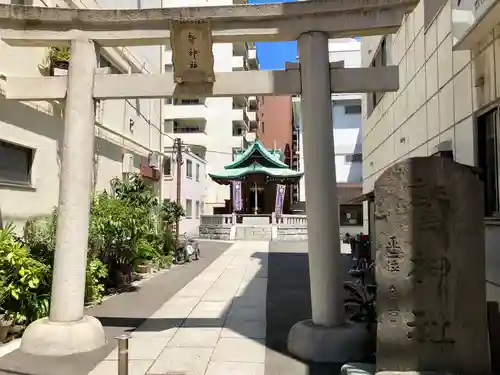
{"x":215,"y":325}
{"x":230,"y":318}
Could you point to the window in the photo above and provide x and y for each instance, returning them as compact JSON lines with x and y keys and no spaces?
{"x":352,"y":109}
{"x":197,"y":209}
{"x":187,"y":101}
{"x":189,"y":209}
{"x":197,"y":172}
{"x":237,"y":130}
{"x":488,"y":133}
{"x":179,"y":128}
{"x":380,"y":59}
{"x":15,"y":163}
{"x":189,"y":168}
{"x":354,"y":158}
{"x":169,"y":68}
{"x":167,"y":166}
{"x":202,"y":207}
{"x":351,"y":215}
{"x":262,"y":127}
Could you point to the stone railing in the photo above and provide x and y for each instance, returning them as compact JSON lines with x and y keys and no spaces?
{"x":292,"y":220}
{"x":216,"y":226}
{"x":223,"y":227}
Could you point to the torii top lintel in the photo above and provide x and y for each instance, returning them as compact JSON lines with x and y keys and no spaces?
{"x":43,"y":26}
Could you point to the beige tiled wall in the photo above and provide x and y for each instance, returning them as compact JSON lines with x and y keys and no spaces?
{"x":436,"y":99}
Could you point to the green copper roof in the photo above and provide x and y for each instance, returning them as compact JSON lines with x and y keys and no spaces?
{"x":256,"y":160}
{"x":255,"y":168}
{"x":257,"y":150}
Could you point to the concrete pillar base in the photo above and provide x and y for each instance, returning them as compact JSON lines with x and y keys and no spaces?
{"x":56,"y":339}
{"x":346,"y":343}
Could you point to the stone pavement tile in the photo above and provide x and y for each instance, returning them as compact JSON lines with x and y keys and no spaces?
{"x":195,"y":337}
{"x":188,"y":361}
{"x":177,"y":307}
{"x":138,"y":367}
{"x":208,"y":314}
{"x":239,"y":350}
{"x":235,"y":368}
{"x":196,"y":288}
{"x":253,"y":313}
{"x":155,"y":327}
{"x":249,"y":301}
{"x":244,"y":328}
{"x":143,"y":347}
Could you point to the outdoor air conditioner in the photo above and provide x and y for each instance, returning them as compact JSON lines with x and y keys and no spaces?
{"x":128,"y":163}
{"x":154,"y":160}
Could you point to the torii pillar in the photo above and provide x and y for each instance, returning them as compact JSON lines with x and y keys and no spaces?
{"x":327,"y":337}
{"x":67,"y":330}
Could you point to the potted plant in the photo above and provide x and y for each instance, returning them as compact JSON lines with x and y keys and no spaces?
{"x":5,"y":325}
{"x":58,"y":60}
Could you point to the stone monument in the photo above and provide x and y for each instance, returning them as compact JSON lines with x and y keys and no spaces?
{"x":430,"y":269}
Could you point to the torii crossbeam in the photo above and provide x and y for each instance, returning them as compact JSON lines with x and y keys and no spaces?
{"x":192,"y":31}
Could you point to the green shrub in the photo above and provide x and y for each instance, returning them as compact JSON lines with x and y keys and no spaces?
{"x":25,"y":281}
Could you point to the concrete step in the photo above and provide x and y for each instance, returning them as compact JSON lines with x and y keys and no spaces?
{"x":254,"y":233}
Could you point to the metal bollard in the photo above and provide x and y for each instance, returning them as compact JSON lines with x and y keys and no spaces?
{"x":123,"y":354}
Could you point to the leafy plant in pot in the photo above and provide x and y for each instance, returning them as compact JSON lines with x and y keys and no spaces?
{"x":58,"y":58}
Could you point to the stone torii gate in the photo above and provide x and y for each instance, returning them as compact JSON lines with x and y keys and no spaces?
{"x":192,"y":31}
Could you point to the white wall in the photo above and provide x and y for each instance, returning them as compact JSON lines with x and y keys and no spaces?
{"x":191,"y":189}
{"x":40,"y":126}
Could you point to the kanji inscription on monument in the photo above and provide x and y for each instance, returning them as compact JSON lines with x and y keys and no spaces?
{"x":430,"y":269}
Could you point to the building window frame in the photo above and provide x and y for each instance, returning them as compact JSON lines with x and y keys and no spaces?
{"x":352,"y":109}
{"x":488,"y":156}
{"x":24,"y":172}
{"x":351,"y":215}
{"x":167,"y":166}
{"x":197,"y":210}
{"x":189,"y":168}
{"x":189,"y":208}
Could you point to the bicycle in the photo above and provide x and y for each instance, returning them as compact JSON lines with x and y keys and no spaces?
{"x":360,"y":306}
{"x":187,"y":250}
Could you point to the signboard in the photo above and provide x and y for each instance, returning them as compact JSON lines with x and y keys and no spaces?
{"x":192,"y":56}
{"x":280,"y":198}
{"x":237,"y":198}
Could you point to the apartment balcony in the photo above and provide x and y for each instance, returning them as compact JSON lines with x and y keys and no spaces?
{"x":240,"y":117}
{"x":253,"y":63}
{"x":240,"y":49}
{"x":191,"y":131}
{"x":185,"y":109}
{"x":239,"y":63}
{"x":252,"y":119}
{"x":253,"y":103}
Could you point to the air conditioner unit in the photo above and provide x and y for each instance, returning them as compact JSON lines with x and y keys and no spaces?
{"x":128,"y":163}
{"x":154,"y":160}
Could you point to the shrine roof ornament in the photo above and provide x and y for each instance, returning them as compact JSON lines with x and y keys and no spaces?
{"x":232,"y":23}
{"x":256,"y":149}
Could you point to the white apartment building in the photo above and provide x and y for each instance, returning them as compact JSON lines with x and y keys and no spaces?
{"x":448,"y":53}
{"x":193,"y":180}
{"x":212,"y":126}
{"x":347,"y":121}
{"x":128,"y":132}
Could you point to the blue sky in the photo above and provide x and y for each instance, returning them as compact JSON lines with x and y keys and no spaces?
{"x":272,"y":56}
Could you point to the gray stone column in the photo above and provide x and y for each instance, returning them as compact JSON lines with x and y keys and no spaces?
{"x":67,"y":330}
{"x":327,"y":337}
